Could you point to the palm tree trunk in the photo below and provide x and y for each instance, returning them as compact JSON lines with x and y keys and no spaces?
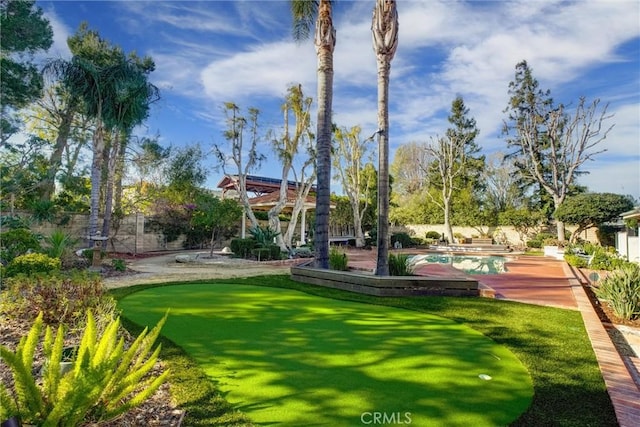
{"x":385,"y":42}
{"x":382,"y":261}
{"x":325,"y":40}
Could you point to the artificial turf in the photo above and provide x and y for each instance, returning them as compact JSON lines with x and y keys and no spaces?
{"x":289,"y":358}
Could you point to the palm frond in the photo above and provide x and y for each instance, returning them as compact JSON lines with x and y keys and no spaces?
{"x":304,"y":14}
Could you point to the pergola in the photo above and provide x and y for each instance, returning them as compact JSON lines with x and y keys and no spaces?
{"x":267,"y":195}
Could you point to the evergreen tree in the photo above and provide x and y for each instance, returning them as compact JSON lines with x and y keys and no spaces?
{"x":24,"y":32}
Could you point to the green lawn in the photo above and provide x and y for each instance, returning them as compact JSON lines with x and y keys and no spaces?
{"x":282,"y":356}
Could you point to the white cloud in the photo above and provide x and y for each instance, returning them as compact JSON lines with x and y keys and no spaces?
{"x":59,"y":48}
{"x":265,"y":70}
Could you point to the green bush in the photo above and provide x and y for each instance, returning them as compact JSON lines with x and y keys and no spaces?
{"x":403,"y":238}
{"x":604,"y":260}
{"x":400,"y":265}
{"x":30,"y":264}
{"x":119,"y":264}
{"x":16,"y":242}
{"x":338,"y":260}
{"x":433,"y":235}
{"x":270,"y":252}
{"x":106,"y":379}
{"x":541,"y":239}
{"x":242,"y":247}
{"x":621,"y":291}
{"x":575,"y":260}
{"x":61,"y":298}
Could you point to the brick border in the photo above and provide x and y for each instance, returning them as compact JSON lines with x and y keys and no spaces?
{"x":623,"y":391}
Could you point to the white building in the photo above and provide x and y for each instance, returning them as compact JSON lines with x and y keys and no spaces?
{"x":627,"y":241}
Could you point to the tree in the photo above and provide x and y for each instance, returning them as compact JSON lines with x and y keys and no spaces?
{"x":56,"y":118}
{"x":303,"y":12}
{"x":408,"y":168}
{"x":218,"y":216}
{"x":525,"y":221}
{"x":549,"y":144}
{"x":235,"y":136}
{"x":296,"y":137}
{"x":384,"y":29}
{"x":350,"y":154}
{"x":185,"y":173}
{"x":588,"y":210}
{"x":453,"y":158}
{"x":502,"y":191}
{"x":113,"y":90}
{"x":24,"y":32}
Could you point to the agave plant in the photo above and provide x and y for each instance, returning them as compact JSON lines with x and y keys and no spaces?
{"x":263,"y":235}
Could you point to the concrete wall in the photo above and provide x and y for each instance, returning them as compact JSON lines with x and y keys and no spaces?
{"x":130,"y":237}
{"x":504,"y":235}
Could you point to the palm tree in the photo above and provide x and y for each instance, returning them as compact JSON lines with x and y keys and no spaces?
{"x":115,"y":96}
{"x":304,"y":12}
{"x":385,"y":41}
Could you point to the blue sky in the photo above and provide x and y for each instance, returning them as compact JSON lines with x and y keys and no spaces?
{"x":211,"y":52}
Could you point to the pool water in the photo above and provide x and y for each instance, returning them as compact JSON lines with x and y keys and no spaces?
{"x":470,"y":264}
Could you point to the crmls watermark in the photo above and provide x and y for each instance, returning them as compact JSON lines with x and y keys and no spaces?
{"x":385,"y":418}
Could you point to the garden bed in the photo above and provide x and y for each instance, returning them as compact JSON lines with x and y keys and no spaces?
{"x":367,"y":283}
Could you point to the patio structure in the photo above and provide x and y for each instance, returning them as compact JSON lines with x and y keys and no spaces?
{"x":267,"y":195}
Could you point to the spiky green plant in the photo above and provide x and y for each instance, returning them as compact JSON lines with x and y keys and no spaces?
{"x":621,"y":291}
{"x":263,"y":235}
{"x":400,"y":265}
{"x":106,"y":380}
{"x":59,"y":244}
{"x":338,"y":260}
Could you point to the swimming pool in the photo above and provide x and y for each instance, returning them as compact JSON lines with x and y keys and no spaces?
{"x":470,"y":264}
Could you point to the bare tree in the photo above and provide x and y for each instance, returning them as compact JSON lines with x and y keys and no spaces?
{"x":288,"y":148}
{"x":235,"y":135}
{"x":350,"y":154}
{"x":500,"y":177}
{"x":550,"y":144}
{"x":572,"y":140}
{"x":448,"y":154}
{"x":409,"y":176}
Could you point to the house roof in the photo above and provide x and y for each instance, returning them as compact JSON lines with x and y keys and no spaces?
{"x":258,"y":185}
{"x":632,"y":214}
{"x":267,"y":201}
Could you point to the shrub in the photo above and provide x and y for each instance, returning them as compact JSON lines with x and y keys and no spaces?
{"x":106,"y":379}
{"x":403,"y":238}
{"x":270,"y":252}
{"x":119,"y":264}
{"x":541,"y":239}
{"x":33,"y":263}
{"x":604,"y":260}
{"x":338,"y":260}
{"x":263,"y":235}
{"x":242,"y":247}
{"x":59,"y":244}
{"x":433,"y":235}
{"x":621,"y":291}
{"x":16,"y":242}
{"x":576,"y":260}
{"x":61,"y":298}
{"x":400,"y":265}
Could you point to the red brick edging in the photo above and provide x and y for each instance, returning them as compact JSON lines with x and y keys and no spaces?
{"x":623,"y":390}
